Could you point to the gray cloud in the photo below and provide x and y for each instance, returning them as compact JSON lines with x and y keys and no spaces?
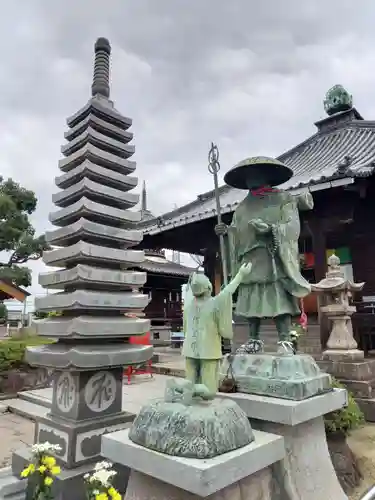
{"x":250,"y":76}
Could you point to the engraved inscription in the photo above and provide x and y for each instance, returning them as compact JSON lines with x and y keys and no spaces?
{"x":100,"y":391}
{"x":65,"y":392}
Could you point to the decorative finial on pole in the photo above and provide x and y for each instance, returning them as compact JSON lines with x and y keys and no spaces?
{"x":100,"y":84}
{"x":213,"y":168}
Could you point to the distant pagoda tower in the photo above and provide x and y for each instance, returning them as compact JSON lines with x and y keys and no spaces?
{"x":100,"y":305}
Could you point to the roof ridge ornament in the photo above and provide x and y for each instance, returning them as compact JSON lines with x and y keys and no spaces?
{"x":344,"y":166}
{"x":337,"y":99}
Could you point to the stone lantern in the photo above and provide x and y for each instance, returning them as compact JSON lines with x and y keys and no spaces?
{"x":338,"y":309}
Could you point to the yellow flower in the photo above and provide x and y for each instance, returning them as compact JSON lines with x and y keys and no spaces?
{"x":25,"y":472}
{"x":55,"y":470}
{"x":101,"y":496}
{"x":115,"y":495}
{"x":42,"y":469}
{"x":48,"y":481}
{"x":49,"y":461}
{"x":29,"y":470}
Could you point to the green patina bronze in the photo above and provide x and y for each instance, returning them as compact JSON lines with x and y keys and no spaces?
{"x":264,"y":231}
{"x":190,"y":422}
{"x":284,"y":375}
{"x":337,"y":99}
{"x":206,"y":321}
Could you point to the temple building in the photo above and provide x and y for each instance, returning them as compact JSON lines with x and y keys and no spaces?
{"x":336,"y":164}
{"x":164,"y":284}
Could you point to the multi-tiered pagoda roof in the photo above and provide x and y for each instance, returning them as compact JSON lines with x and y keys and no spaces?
{"x":95,"y":228}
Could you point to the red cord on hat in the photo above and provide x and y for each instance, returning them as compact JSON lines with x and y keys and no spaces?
{"x":263,"y":190}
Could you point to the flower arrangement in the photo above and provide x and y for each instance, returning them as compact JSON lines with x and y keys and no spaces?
{"x":99,"y":483}
{"x":296,"y":331}
{"x":43,"y":469}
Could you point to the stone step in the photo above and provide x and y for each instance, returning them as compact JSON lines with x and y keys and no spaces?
{"x":11,"y":487}
{"x":36,"y":399}
{"x":26,"y":409}
{"x":173,"y":369}
{"x":368,"y":408}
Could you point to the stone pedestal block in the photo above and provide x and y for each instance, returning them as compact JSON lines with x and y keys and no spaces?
{"x":241,"y":474}
{"x":357,"y":374}
{"x":294,"y":377}
{"x":306,"y":472}
{"x":343,"y":355}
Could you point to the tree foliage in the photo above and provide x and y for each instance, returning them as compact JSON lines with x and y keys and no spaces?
{"x":17,"y":235}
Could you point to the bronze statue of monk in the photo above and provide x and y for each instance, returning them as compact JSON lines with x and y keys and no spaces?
{"x":264,"y":231}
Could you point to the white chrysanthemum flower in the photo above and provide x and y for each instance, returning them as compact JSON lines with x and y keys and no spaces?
{"x":103,"y":476}
{"x":45,"y":448}
{"x":103,"y":465}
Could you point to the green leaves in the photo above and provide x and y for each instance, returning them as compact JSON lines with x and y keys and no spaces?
{"x":17,"y":235}
{"x":345,"y":419}
{"x":12,"y":352}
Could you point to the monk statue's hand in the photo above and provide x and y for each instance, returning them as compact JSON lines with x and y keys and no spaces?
{"x":245,"y":270}
{"x":260,"y":226}
{"x":221,"y":229}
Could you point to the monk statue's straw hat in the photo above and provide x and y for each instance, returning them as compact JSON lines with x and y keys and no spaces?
{"x":257,"y":171}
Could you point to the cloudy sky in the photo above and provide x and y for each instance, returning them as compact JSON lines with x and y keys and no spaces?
{"x":250,"y":76}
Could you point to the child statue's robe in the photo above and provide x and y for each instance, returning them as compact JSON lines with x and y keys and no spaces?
{"x":206,"y":321}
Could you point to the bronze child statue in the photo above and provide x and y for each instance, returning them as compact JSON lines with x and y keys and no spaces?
{"x":206,"y":321}
{"x":264,"y":231}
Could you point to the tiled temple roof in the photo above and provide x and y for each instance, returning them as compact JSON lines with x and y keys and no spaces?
{"x":343,"y":148}
{"x":165,"y":266}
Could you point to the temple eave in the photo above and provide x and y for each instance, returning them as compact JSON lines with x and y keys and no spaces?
{"x":92,"y":210}
{"x":92,"y":253}
{"x":103,"y":108}
{"x":81,"y":274}
{"x":91,"y":327}
{"x":84,"y":228}
{"x":95,"y":172}
{"x":91,"y":300}
{"x":96,"y":192}
{"x":87,"y":357}
{"x":100,"y":125}
{"x":90,"y":135}
{"x":98,"y":156}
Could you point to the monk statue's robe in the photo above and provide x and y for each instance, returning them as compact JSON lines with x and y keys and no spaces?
{"x":275,"y":284}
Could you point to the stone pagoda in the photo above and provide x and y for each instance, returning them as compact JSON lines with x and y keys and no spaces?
{"x":100,"y":302}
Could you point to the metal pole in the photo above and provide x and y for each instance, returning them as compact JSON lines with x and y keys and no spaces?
{"x":370,"y":495}
{"x":213,"y":168}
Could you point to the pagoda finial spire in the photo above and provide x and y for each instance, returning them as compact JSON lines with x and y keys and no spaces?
{"x":144,"y":199}
{"x":100,"y":84}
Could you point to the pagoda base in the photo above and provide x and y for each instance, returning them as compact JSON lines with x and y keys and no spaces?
{"x":69,"y":483}
{"x":80,"y":442}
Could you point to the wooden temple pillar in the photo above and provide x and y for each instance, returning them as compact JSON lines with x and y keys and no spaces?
{"x":210,"y":267}
{"x":319,"y":247}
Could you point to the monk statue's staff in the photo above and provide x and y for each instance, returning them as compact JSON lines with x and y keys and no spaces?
{"x":213,"y":168}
